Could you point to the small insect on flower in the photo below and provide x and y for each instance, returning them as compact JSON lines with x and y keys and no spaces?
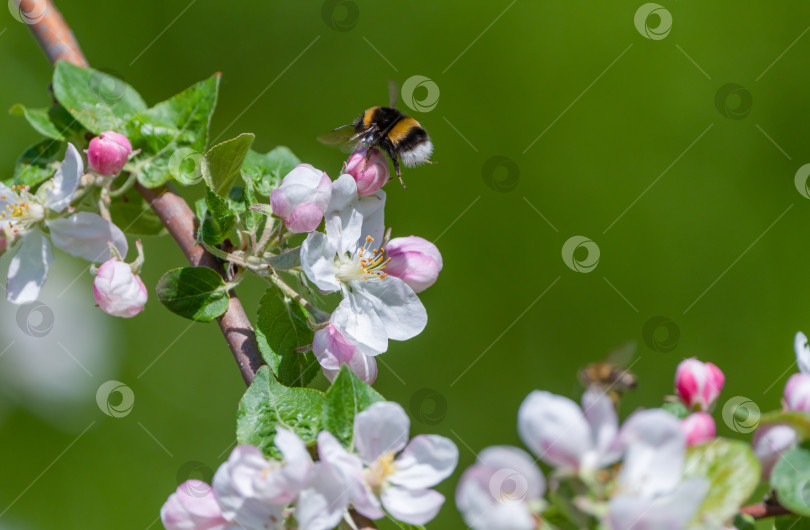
{"x":400,"y":136}
{"x":611,"y":375}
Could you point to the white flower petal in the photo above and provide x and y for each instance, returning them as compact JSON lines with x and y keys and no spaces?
{"x":59,"y":190}
{"x":344,"y":193}
{"x":655,"y":450}
{"x":802,"y":352}
{"x":233,"y":481}
{"x":280,"y":485}
{"x":671,"y":511}
{"x":400,"y":310}
{"x":28,"y":269}
{"x":321,"y":505}
{"x":356,"y":319}
{"x":381,"y":428}
{"x":349,"y":467}
{"x":372,"y":207}
{"x":343,"y":231}
{"x":412,"y":506}
{"x":318,"y":261}
{"x":87,"y":235}
{"x":601,"y":416}
{"x":515,"y":466}
{"x":555,"y":429}
{"x":427,"y":460}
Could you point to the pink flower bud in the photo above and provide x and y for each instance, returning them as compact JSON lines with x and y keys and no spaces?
{"x":770,"y":442}
{"x":797,"y":393}
{"x":370,"y":176}
{"x":698,"y":384}
{"x":193,"y":506}
{"x":332,"y":349}
{"x":414,"y":260}
{"x":302,"y":198}
{"x":698,"y":428}
{"x":117,"y":290}
{"x":108,"y":153}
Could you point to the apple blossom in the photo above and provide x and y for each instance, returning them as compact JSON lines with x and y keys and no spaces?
{"x":501,"y":491}
{"x":117,"y":290}
{"x":376,"y":478}
{"x":108,"y":153}
{"x":301,"y":199}
{"x":797,"y":393}
{"x":562,"y":435}
{"x":769,"y":442}
{"x":802,"y":350}
{"x":698,"y":384}
{"x":193,"y":506}
{"x":348,"y":258}
{"x":370,"y":173}
{"x":698,"y":427}
{"x":414,"y":260}
{"x":82,"y":234}
{"x":333,"y":349}
{"x":651,"y":491}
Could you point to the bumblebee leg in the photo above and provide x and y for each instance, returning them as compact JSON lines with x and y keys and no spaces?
{"x":389,"y":148}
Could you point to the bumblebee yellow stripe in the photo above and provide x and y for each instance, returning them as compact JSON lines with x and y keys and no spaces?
{"x":368,"y":116}
{"x":400,"y":130}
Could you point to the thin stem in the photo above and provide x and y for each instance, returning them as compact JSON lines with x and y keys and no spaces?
{"x":319,"y":315}
{"x":125,"y":187}
{"x":763,"y":510}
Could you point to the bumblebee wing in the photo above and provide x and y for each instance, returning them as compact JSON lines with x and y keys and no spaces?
{"x":393,"y":92}
{"x":344,"y":138}
{"x":622,"y":355}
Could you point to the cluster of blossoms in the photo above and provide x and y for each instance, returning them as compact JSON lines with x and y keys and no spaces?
{"x":382,"y":472}
{"x":378,"y":278}
{"x":504,"y":489}
{"x":30,"y":222}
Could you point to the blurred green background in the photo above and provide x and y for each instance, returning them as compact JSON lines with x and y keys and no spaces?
{"x":694,"y":211}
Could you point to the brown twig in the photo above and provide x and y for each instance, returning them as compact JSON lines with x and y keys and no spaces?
{"x":763,"y":510}
{"x":58,"y":42}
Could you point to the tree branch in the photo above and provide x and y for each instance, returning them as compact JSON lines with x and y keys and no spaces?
{"x":58,"y":42}
{"x":764,"y":510}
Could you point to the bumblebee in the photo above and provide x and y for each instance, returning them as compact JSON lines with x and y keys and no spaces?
{"x":400,"y":136}
{"x":611,"y":375}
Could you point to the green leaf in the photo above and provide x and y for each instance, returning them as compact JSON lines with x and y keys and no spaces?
{"x":280,"y":330}
{"x":218,"y":221}
{"x":404,"y":526}
{"x":197,"y":293}
{"x":288,"y":260}
{"x":222,"y":163}
{"x":133,"y":215}
{"x":38,"y":163}
{"x":267,"y":170}
{"x":347,"y":396}
{"x":791,"y":479}
{"x":174,"y":134}
{"x":39,"y":120}
{"x":799,"y":421}
{"x":733,"y":472}
{"x":744,"y":522}
{"x":787,"y":522}
{"x":676,"y":408}
{"x":268,"y":404}
{"x":97,"y":100}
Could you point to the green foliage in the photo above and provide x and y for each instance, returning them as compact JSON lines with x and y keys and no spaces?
{"x":97,"y":100}
{"x":39,"y":120}
{"x":268,"y":404}
{"x":197,"y":293}
{"x":790,"y":479}
{"x":733,"y":472}
{"x":676,"y":408}
{"x":266,"y":170}
{"x":787,"y":522}
{"x":38,"y":162}
{"x":347,"y":396}
{"x":132,"y":214}
{"x":218,"y":221}
{"x":287,"y":260}
{"x":222,"y":163}
{"x":799,"y":421}
{"x":280,"y":330}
